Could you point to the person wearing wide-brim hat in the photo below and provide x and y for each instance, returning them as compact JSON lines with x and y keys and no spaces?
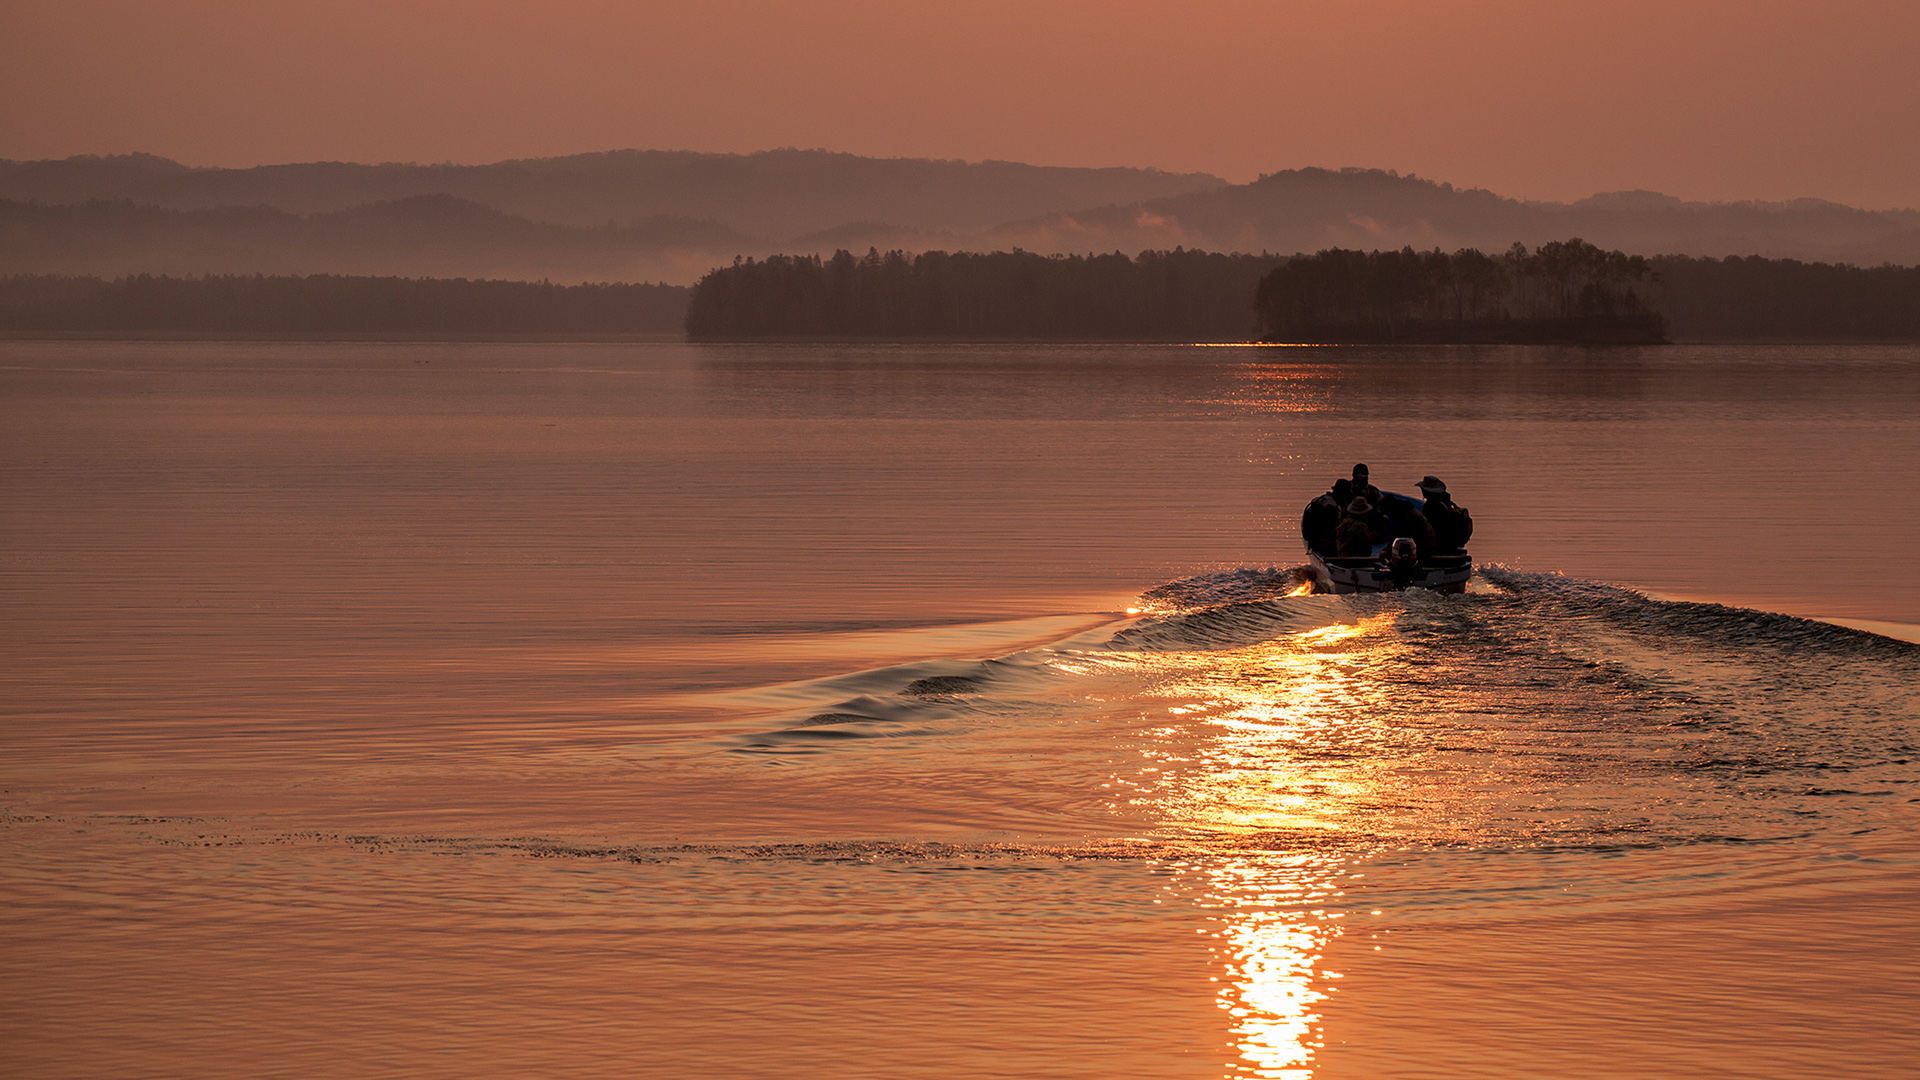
{"x":1361,"y":527}
{"x":1452,"y":525}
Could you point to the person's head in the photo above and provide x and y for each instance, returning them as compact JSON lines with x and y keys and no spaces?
{"x":1343,"y":491}
{"x":1359,"y":507}
{"x":1433,"y":488}
{"x":1404,"y":550}
{"x":1360,"y":475}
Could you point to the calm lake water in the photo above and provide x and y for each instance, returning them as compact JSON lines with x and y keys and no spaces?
{"x":930,"y":711}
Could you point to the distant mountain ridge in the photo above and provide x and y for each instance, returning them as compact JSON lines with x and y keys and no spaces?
{"x":1305,"y":210}
{"x":773,"y":194}
{"x":641,"y":215}
{"x":421,"y":236}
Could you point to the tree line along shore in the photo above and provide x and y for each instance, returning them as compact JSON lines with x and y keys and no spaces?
{"x":335,"y":304}
{"x":1563,"y":291}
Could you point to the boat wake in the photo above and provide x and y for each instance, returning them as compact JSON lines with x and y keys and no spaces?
{"x":1537,"y":711}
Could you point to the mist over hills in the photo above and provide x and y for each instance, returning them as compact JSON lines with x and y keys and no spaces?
{"x":774,"y":194}
{"x":421,"y":236}
{"x":659,"y":215}
{"x":1307,"y":210}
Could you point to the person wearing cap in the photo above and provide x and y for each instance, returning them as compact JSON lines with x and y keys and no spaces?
{"x":1362,"y":489}
{"x":1361,"y":527}
{"x":1402,"y":561}
{"x":1452,"y":525}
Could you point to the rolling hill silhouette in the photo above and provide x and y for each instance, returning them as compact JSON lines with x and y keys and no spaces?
{"x":646,"y":215}
{"x":420,"y":236}
{"x":1307,"y":210}
{"x":775,"y":194}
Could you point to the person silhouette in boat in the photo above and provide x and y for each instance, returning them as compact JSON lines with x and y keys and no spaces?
{"x":1320,"y":522}
{"x":1406,"y":522}
{"x":1362,"y":489}
{"x":1362,"y":528}
{"x":1402,"y":561}
{"x":1452,"y":525}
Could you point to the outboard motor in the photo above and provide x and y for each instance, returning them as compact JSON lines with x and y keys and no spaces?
{"x":1403,"y":562}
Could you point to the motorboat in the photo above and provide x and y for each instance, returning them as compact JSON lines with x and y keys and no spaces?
{"x":1393,"y":565}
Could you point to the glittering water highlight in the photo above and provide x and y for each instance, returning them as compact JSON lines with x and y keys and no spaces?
{"x":908,"y":711}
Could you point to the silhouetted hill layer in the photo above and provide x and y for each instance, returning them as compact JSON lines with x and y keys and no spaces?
{"x":776,"y":195}
{"x":1309,"y":210}
{"x":645,"y":215}
{"x":425,"y":236}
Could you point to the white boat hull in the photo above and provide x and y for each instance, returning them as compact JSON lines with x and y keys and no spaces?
{"x":1449,"y":575}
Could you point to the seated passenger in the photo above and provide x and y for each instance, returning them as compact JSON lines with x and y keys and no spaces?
{"x":1361,"y":488}
{"x":1360,"y":529}
{"x":1404,"y":520}
{"x":1320,"y":522}
{"x":1403,"y":561}
{"x":1452,"y":525}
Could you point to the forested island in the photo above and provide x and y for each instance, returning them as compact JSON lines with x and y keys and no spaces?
{"x":1756,"y":299}
{"x":1004,"y":295}
{"x":1180,"y":295}
{"x":334,"y":304}
{"x":1570,"y":291}
{"x":1566,"y":291}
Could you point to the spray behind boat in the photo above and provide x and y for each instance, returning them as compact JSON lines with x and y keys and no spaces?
{"x":1362,"y":539}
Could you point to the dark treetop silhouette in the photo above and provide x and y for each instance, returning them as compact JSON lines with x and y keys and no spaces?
{"x":325,"y":303}
{"x":1167,"y":296}
{"x":1565,"y":291}
{"x":1160,"y":296}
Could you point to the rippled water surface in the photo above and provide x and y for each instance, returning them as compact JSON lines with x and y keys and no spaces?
{"x":746,"y":711}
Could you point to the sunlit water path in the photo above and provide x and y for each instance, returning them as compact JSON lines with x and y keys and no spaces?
{"x":765,"y":712}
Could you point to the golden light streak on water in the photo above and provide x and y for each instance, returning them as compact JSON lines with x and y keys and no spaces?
{"x":1275,"y":930}
{"x":1265,"y":715}
{"x":1265,"y":712}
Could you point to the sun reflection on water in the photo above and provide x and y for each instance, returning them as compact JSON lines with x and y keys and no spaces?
{"x":1265,"y":746}
{"x":1275,"y":932}
{"x":1265,"y":743}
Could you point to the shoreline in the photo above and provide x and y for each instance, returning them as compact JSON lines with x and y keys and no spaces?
{"x":666,"y":337}
{"x":369,"y":337}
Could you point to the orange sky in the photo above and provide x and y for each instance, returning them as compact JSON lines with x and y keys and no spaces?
{"x":1710,"y":99}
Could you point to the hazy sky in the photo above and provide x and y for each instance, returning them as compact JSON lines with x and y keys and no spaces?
{"x":1546,"y":99}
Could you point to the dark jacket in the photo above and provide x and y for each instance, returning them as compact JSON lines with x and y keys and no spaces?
{"x":1411,"y":523}
{"x":1359,"y":533}
{"x":1354,"y":538}
{"x":1320,"y":524}
{"x":1452,"y":525}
